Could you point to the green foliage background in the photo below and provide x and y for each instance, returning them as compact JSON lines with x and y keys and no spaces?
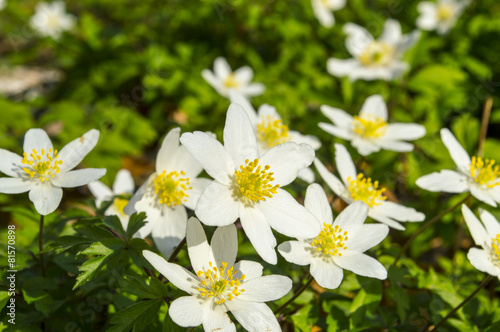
{"x":132,"y":70}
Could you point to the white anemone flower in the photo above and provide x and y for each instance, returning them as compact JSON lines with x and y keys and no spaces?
{"x":247,"y":185}
{"x":323,"y":10}
{"x":167,"y":193}
{"x":271,"y":131}
{"x":340,"y":244}
{"x":43,"y":171}
{"x":369,"y":131}
{"x":220,"y":285}
{"x":374,"y":59}
{"x":356,"y":187}
{"x":3,"y":4}
{"x":479,"y":176}
{"x":440,"y":16}
{"x":51,"y":19}
{"x":487,"y":237}
{"x":223,"y":78}
{"x":123,"y":189}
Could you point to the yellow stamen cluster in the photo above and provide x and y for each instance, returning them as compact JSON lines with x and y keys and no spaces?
{"x":495,"y":244}
{"x":220,"y":283}
{"x":362,"y":189}
{"x":444,"y":13}
{"x":377,"y":54}
{"x":171,"y":188}
{"x":119,"y":204}
{"x":43,"y":166}
{"x":485,"y":172}
{"x":253,"y":181}
{"x":231,"y":81}
{"x":330,"y":240}
{"x":369,"y":127}
{"x":272,"y":131}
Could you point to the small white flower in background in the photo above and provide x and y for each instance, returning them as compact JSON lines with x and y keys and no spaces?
{"x":51,"y":19}
{"x":223,"y":78}
{"x":123,"y":186}
{"x":339,"y":245}
{"x":3,"y":4}
{"x":323,"y":10}
{"x":43,"y":171}
{"x":356,"y":187}
{"x":221,"y":285}
{"x":248,"y":186}
{"x":486,"y":259}
{"x":441,"y":15}
{"x":479,"y":176}
{"x":374,"y":59}
{"x":271,"y":131}
{"x":166,"y":194}
{"x":369,"y":131}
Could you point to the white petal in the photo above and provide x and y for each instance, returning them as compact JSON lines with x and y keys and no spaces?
{"x":296,"y":252}
{"x":224,"y":245}
{"x":177,"y":275}
{"x":288,"y":217}
{"x":307,"y":175}
{"x":198,"y":185}
{"x":397,"y":212}
{"x":169,"y":146}
{"x":391,"y":33}
{"x":214,"y":81}
{"x":45,"y":197}
{"x":253,"y":89}
{"x":482,"y":194}
{"x":386,"y":220}
{"x":15,"y":185}
{"x":337,"y":116}
{"x":352,"y":217}
{"x":344,"y":163}
{"x":238,"y":98}
{"x":217,"y":206}
{"x":298,"y":138}
{"x":78,"y":178}
{"x":407,"y":41}
{"x":169,"y":231}
{"x":395,"y":145}
{"x":326,"y":273}
{"x":477,"y":230}
{"x":74,"y":152}
{"x":367,"y":236}
{"x":331,"y":180}
{"x":150,"y":205}
{"x":490,"y":222}
{"x":250,"y":269}
{"x":186,"y":311}
{"x":100,"y":191}
{"x":341,"y":67}
{"x":221,"y":68}
{"x":239,"y":136}
{"x":210,"y":154}
{"x":266,"y":110}
{"x":254,"y":317}
{"x":10,"y":163}
{"x":457,"y":152}
{"x":198,"y":248}
{"x":317,"y":203}
{"x":404,"y":131}
{"x":480,"y":260}
{"x":446,"y":181}
{"x":243,"y":74}
{"x":426,"y":21}
{"x":266,"y":288}
{"x":324,"y":16}
{"x":365,"y":146}
{"x":217,"y":320}
{"x":36,"y":139}
{"x":343,"y":133}
{"x":358,"y":38}
{"x":139,"y":194}
{"x":124,"y":183}
{"x":361,"y":264}
{"x":374,"y":106}
{"x":259,"y":232}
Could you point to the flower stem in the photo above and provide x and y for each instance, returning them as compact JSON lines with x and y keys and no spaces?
{"x":426,"y":225}
{"x":451,"y":313}
{"x":295,"y":296}
{"x":40,"y":245}
{"x":177,"y":250}
{"x":484,"y":125}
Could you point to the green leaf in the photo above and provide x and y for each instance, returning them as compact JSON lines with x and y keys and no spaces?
{"x":136,"y":247}
{"x":35,"y":290}
{"x":114,"y":223}
{"x":137,"y":316}
{"x":65,"y":242}
{"x":150,"y":288}
{"x":137,"y":220}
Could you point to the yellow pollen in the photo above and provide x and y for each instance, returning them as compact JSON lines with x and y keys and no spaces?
{"x":485,"y":172}
{"x":253,"y":181}
{"x":219,"y":283}
{"x":369,"y":127}
{"x":377,"y":54}
{"x":444,"y":13}
{"x":495,"y":244}
{"x":231,"y":81}
{"x":43,"y":166}
{"x":171,"y":188}
{"x":119,"y":204}
{"x":362,"y":189}
{"x":272,"y":131}
{"x":330,"y":240}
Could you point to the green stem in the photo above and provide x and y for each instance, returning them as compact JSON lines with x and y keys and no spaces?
{"x":295,"y":296}
{"x":177,"y":250}
{"x":427,"y":225}
{"x":442,"y":321}
{"x":40,"y":245}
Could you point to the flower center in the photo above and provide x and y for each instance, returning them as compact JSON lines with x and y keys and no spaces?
{"x":485,"y":172}
{"x":119,"y":204}
{"x":272,"y":131}
{"x":495,"y":245}
{"x":362,"y":189}
{"x":253,"y":181}
{"x":377,"y":54}
{"x":42,"y":166}
{"x":444,"y":13}
{"x":171,"y":188}
{"x":231,"y":81}
{"x":219,"y":283}
{"x":53,"y":21}
{"x":330,"y":240}
{"x":369,"y":127}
